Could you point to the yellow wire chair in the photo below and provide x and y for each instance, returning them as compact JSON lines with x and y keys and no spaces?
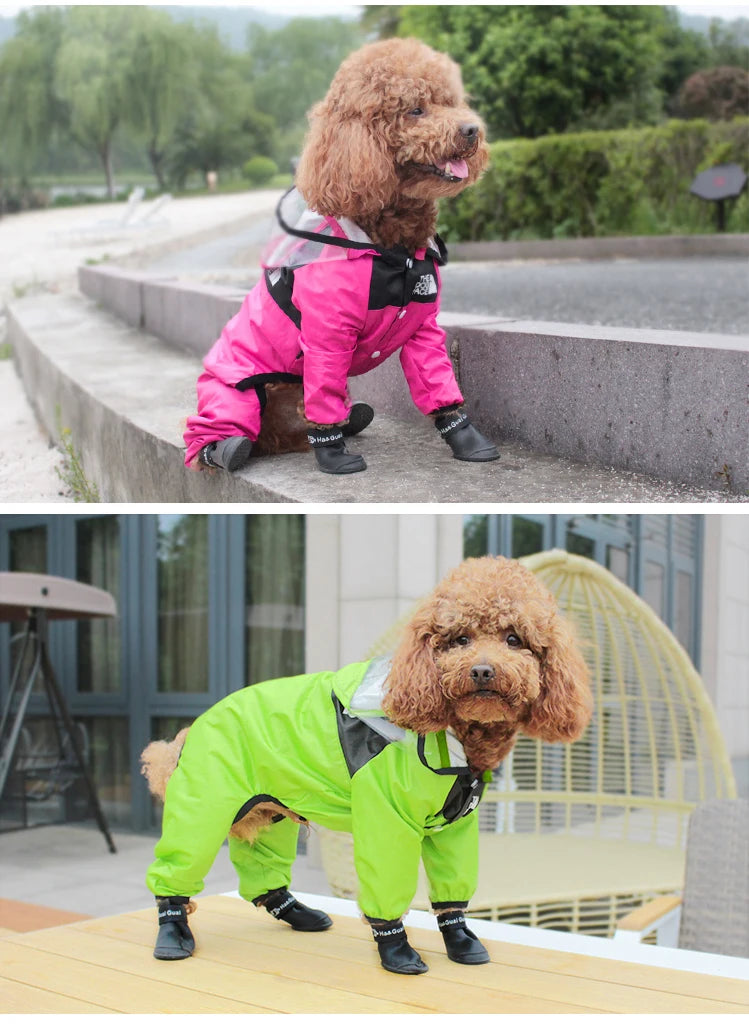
{"x":574,"y":836}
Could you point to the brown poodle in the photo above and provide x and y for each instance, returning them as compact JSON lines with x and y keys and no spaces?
{"x":397,"y":749}
{"x":392,"y":137}
{"x":382,"y":142}
{"x":493,"y":658}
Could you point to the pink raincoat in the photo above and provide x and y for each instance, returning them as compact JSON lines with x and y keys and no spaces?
{"x":331,"y":305}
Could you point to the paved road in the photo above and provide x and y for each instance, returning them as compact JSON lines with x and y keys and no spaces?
{"x":690,"y":294}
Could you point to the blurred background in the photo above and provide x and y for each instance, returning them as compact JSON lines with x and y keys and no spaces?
{"x":599,"y":115}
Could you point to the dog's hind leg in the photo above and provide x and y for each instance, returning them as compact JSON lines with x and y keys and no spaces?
{"x":264,"y":871}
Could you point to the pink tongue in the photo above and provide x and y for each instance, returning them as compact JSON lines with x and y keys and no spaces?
{"x":457,"y":168}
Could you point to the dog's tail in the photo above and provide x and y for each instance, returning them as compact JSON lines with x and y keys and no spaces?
{"x":159,"y":760}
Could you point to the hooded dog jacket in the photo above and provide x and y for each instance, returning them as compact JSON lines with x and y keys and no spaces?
{"x":320,"y":745}
{"x":330,"y":305}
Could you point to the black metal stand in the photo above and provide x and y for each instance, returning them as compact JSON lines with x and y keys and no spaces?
{"x":720,"y":215}
{"x":35,"y":645}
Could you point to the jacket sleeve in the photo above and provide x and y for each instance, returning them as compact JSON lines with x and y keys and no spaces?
{"x":329,"y":332}
{"x":428,"y":369}
{"x":451,"y":861}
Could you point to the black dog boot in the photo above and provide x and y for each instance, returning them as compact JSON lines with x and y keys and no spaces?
{"x":466,"y":442}
{"x":331,"y":452}
{"x":230,"y":454}
{"x":175,"y":941}
{"x":461,"y":944}
{"x":360,"y":416}
{"x":284,"y":907}
{"x":392,"y":944}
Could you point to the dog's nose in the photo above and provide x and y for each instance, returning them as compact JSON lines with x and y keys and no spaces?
{"x":469,"y":131}
{"x":482,"y":674}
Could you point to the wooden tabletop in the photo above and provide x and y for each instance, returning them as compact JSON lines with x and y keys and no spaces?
{"x":248,"y":963}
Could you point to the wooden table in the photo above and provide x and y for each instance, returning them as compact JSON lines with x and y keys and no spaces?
{"x":248,"y":963}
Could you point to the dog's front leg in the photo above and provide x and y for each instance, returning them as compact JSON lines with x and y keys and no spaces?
{"x":466,"y":442}
{"x":461,"y":945}
{"x":396,"y":954}
{"x":175,"y":940}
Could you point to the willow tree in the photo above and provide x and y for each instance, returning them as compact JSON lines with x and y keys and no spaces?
{"x":91,"y":77}
{"x":161,"y":83}
{"x":30,"y":111}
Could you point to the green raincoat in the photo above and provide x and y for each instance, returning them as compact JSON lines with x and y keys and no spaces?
{"x":321,"y":745}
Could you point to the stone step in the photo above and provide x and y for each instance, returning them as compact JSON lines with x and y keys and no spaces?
{"x":123,"y":395}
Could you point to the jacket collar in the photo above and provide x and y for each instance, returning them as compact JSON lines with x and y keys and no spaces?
{"x":344,"y":232}
{"x":366,"y":705}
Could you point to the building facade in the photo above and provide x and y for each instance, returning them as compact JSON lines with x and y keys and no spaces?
{"x":210,"y":603}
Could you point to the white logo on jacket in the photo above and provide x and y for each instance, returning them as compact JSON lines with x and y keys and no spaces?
{"x":426,"y":285}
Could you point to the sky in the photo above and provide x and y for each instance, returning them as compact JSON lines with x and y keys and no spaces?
{"x":715,"y":10}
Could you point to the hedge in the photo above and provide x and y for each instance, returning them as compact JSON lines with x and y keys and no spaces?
{"x":259,"y":170}
{"x":631,"y":182}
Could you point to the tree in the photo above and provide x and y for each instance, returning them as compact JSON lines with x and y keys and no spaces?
{"x":160,"y":82}
{"x":291,"y":68}
{"x":533,"y":70}
{"x":729,"y":43}
{"x":91,"y":75}
{"x":220,"y":124}
{"x":717,"y":94}
{"x":381,"y":21}
{"x":683,"y":51}
{"x":30,"y":112}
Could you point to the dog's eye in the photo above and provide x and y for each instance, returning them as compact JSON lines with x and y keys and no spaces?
{"x":417,"y":112}
{"x":513,"y":640}
{"x":461,"y":641}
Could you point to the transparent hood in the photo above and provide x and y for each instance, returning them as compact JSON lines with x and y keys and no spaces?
{"x":301,"y":236}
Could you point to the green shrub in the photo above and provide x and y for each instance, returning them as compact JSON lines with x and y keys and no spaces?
{"x":259,"y":170}
{"x":634,"y":181}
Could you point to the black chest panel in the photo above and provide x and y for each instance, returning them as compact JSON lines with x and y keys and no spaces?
{"x":464,"y":797}
{"x":402,"y":282}
{"x":280,"y":285}
{"x":360,"y":743}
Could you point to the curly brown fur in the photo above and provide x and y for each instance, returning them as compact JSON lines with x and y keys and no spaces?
{"x":158,"y":761}
{"x":283,"y":427}
{"x":488,"y":655}
{"x":372,"y":157}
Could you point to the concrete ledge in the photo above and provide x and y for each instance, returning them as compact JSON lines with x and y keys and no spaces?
{"x":674,"y":405}
{"x":642,"y":247}
{"x":670,"y":404}
{"x":124,"y":395}
{"x":187,"y":316}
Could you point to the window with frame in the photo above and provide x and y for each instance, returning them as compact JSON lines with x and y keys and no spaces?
{"x":658,"y":556}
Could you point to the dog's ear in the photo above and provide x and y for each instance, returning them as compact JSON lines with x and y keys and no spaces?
{"x":565,"y":704}
{"x":345,"y":169}
{"x":413,"y":695}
